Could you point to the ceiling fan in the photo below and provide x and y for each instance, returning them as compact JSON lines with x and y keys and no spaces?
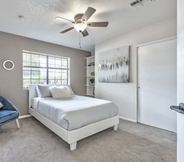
{"x":80,"y":22}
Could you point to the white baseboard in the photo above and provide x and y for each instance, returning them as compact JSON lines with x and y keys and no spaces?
{"x":128,"y":119}
{"x":24,"y":116}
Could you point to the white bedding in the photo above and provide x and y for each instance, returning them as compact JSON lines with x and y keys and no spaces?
{"x":75,"y":112}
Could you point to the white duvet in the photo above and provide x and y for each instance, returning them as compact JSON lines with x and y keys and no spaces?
{"x":75,"y":112}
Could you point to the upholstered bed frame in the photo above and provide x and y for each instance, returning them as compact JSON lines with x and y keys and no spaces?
{"x":71,"y":137}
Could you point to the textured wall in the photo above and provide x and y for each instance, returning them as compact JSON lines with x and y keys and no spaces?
{"x":11,"y":85}
{"x":124,"y":95}
{"x":180,"y":79}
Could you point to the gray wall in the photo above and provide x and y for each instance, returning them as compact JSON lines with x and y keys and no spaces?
{"x":124,"y":95}
{"x":180,"y":79}
{"x":11,"y":84}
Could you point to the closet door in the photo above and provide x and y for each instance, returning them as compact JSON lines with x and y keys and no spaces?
{"x":157,"y":84}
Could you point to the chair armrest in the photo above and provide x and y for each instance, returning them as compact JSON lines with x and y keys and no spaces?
{"x":7,"y":105}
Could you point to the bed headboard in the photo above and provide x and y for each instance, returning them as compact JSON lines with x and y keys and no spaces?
{"x":32,"y":93}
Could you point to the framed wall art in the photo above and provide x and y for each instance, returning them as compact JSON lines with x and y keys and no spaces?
{"x":113,"y":65}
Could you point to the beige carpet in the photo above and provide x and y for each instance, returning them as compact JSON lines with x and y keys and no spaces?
{"x":131,"y":143}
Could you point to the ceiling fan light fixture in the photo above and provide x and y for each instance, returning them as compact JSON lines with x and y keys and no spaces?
{"x":80,"y":27}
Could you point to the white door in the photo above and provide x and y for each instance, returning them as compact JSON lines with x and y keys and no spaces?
{"x":157,"y":82}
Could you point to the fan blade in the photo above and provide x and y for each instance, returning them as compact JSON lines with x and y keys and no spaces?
{"x":61,"y":18}
{"x":89,"y":12}
{"x":98,"y":24}
{"x":64,"y":31}
{"x":85,"y":33}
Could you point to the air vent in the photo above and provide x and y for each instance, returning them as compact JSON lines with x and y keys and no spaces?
{"x":141,"y":2}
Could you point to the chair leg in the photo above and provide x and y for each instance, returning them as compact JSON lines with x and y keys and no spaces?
{"x":17,"y":123}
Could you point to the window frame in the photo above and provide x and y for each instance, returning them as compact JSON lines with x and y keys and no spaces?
{"x":47,"y":67}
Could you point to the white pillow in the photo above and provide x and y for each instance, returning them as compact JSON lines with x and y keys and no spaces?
{"x":60,"y":92}
{"x":43,"y":91}
{"x":38,"y":92}
{"x":1,"y":105}
{"x":68,"y":86}
{"x":70,"y":89}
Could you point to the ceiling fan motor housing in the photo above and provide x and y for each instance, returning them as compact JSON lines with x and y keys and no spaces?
{"x":78,"y":18}
{"x":80,"y":24}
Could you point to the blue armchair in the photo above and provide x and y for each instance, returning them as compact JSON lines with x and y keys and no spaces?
{"x":8,"y":112}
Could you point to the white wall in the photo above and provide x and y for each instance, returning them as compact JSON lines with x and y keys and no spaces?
{"x":124,"y":95}
{"x":180,"y":79}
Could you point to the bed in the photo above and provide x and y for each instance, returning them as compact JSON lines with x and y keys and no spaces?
{"x":73,"y":118}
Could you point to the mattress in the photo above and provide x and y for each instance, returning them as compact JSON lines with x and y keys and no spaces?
{"x":75,"y":112}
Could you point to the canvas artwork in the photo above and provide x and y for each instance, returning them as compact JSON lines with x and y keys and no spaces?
{"x":113,"y":65}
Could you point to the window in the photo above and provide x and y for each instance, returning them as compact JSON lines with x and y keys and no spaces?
{"x":44,"y":69}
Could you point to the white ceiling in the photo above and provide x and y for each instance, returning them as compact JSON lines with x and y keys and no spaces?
{"x":41,"y":24}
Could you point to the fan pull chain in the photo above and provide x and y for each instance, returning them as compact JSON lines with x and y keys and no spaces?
{"x":80,"y":40}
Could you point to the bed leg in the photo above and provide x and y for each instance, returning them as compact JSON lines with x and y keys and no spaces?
{"x":18,"y":125}
{"x":73,"y":146}
{"x":115,"y":127}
